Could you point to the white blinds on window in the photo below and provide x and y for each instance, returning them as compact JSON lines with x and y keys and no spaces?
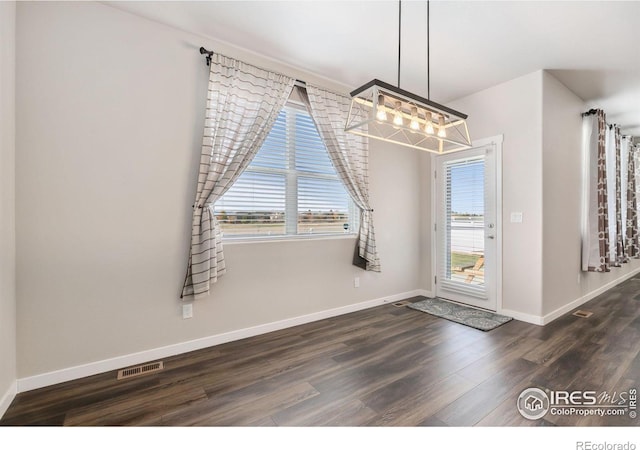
{"x":290,"y":187}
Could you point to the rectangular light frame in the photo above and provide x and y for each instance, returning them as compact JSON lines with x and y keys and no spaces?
{"x":362,"y":119}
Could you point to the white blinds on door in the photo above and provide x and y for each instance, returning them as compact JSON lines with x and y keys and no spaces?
{"x":463,"y":206}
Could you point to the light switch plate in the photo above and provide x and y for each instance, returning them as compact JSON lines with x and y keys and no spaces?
{"x":516,"y":217}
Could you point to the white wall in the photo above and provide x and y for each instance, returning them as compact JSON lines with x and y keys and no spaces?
{"x":514,"y":109}
{"x":562,"y":193}
{"x":564,"y":285}
{"x":7,"y":205}
{"x":109,"y":115}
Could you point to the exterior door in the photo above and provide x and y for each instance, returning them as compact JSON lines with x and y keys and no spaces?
{"x":466,"y":229}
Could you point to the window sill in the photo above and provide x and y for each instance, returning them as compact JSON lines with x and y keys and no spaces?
{"x":290,"y":238}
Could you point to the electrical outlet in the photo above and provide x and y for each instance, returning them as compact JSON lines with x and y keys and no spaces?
{"x":187,"y":311}
{"x":356,"y":282}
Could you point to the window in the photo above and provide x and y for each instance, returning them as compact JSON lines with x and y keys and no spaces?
{"x":290,"y":187}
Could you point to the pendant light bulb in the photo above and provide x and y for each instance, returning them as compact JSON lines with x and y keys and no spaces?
{"x":397,"y":118}
{"x":414,"y":118}
{"x":381,"y":115}
{"x":429,"y":126}
{"x":441,"y":131}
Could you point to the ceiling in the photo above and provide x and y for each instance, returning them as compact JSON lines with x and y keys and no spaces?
{"x":591,"y":47}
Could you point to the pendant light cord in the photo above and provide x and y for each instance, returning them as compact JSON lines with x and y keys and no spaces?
{"x":428,"y":68}
{"x":428,"y":47}
{"x":399,"y":36}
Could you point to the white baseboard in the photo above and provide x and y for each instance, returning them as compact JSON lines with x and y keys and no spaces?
{"x":7,"y":398}
{"x":94,"y":368}
{"x":425,"y":293}
{"x":585,"y":298}
{"x":383,"y":300}
{"x":523,"y":317}
{"x":548,"y":318}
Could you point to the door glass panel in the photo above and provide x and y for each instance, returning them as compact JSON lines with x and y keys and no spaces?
{"x":465,"y":223}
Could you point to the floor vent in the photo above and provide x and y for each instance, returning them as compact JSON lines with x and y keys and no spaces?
{"x":583,"y":314}
{"x":143,"y":369}
{"x":402,"y":303}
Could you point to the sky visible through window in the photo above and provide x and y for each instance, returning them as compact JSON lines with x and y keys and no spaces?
{"x":467,"y":188}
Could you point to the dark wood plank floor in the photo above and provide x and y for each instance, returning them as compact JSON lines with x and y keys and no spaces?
{"x":384,"y":366}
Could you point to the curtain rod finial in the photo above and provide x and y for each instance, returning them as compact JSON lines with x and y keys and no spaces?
{"x":204,"y":51}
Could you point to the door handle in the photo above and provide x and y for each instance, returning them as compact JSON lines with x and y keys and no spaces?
{"x":491,"y":236}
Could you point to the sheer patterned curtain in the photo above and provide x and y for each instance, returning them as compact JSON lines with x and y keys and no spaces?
{"x":624,"y":188}
{"x":632,"y":238}
{"x":636,"y":160}
{"x":242,"y":105}
{"x":620,"y":256}
{"x":610,"y":151}
{"x":349,"y":154}
{"x":595,"y":239}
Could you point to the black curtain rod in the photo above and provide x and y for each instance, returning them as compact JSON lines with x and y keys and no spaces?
{"x":610,"y":125}
{"x":588,"y":113}
{"x":204,"y":51}
{"x":593,"y":111}
{"x":209,"y":53}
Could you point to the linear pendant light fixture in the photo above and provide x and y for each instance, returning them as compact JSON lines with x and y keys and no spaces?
{"x":387,"y":113}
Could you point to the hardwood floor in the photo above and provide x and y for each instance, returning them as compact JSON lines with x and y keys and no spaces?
{"x":384,"y":366}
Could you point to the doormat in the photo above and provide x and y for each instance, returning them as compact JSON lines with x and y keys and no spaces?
{"x":471,"y":317}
